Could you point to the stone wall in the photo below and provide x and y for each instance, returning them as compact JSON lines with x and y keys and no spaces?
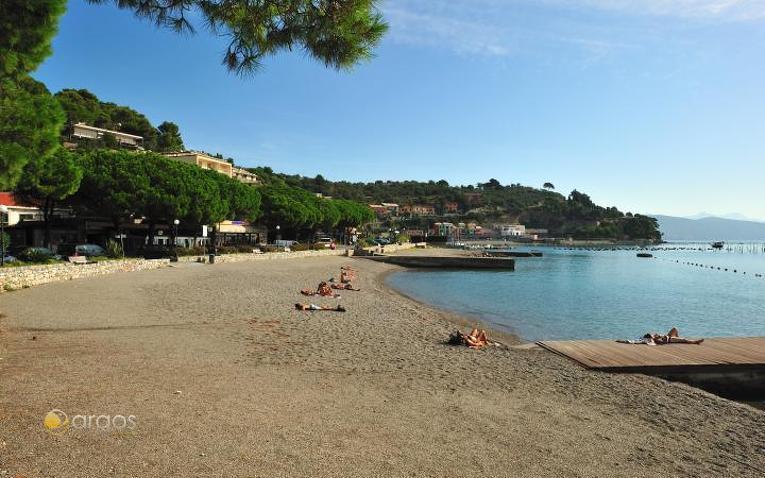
{"x":225,"y":258}
{"x":13,"y":278}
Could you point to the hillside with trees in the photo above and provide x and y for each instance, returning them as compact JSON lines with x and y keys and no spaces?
{"x":82,"y":106}
{"x":573,"y":215}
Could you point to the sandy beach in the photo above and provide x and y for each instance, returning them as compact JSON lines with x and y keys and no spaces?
{"x":225,"y":378}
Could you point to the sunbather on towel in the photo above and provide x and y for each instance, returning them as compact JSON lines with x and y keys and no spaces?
{"x":476,"y":339}
{"x":671,"y":337}
{"x":323,"y":290}
{"x":347,"y":286}
{"x":307,"y":307}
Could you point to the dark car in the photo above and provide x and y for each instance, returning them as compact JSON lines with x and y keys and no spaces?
{"x":159,"y":252}
{"x":87,"y":250}
{"x":37,"y":254}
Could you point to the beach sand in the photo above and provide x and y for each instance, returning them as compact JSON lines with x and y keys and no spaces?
{"x":226,"y":379}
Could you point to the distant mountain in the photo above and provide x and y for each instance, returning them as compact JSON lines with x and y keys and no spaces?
{"x":733,"y":215}
{"x":709,"y":229}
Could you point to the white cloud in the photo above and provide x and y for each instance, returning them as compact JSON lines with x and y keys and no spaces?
{"x":497,"y":28}
{"x":728,"y":10}
{"x":445,"y":27}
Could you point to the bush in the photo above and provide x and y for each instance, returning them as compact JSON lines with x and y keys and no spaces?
{"x":300,"y":247}
{"x":190,"y":251}
{"x":114,"y":250}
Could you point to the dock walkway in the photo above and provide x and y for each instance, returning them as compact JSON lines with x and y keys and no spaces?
{"x":724,"y":365}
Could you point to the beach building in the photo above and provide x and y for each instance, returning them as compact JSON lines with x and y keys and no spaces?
{"x":87,"y":132}
{"x":511,"y":230}
{"x":444,"y":229}
{"x":18,"y":211}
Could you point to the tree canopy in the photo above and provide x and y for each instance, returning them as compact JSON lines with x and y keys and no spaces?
{"x":297,"y":209}
{"x":169,"y":138}
{"x":27,"y":28}
{"x":339,"y":33}
{"x":122,"y":184}
{"x":30,"y":121}
{"x":48,"y":180}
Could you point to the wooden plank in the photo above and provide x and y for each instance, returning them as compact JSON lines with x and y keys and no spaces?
{"x":608,"y":354}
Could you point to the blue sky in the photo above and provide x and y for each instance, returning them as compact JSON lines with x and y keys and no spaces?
{"x":650,"y":105}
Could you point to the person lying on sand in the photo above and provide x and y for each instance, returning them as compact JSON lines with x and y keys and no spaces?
{"x":323,"y":290}
{"x":476,"y":339}
{"x":338,"y":308}
{"x":346,"y":286}
{"x":671,"y":337}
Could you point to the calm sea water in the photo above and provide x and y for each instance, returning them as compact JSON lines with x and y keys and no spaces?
{"x":607,"y":294}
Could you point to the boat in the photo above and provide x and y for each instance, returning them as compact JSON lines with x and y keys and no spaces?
{"x":644,"y":254}
{"x":718,"y":245}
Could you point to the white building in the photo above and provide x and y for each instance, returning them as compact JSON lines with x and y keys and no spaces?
{"x":18,"y":212}
{"x":512,"y":230}
{"x":84,"y":131}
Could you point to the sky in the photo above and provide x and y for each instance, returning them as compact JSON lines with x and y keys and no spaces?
{"x":653,"y":106}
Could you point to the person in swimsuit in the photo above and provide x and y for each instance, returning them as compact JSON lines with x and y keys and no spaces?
{"x":308,"y":307}
{"x":671,"y":337}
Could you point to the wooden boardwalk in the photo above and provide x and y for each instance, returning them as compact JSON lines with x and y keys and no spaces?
{"x":715,"y":354}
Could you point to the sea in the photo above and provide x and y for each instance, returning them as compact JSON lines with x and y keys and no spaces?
{"x":579,"y":293}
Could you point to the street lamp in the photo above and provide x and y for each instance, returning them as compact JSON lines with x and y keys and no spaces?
{"x":3,"y":212}
{"x":278,"y":234}
{"x":175,"y":232}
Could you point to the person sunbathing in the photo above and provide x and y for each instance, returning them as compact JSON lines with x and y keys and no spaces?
{"x":671,"y":337}
{"x":323,"y":290}
{"x":311,"y":307}
{"x":346,"y":286}
{"x":476,"y":339}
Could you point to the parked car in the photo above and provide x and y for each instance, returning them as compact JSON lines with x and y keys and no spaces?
{"x":325,"y":241}
{"x":159,"y":252}
{"x":87,"y":250}
{"x":37,"y":254}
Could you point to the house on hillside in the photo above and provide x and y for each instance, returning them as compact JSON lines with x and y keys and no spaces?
{"x":473,"y":199}
{"x":391,"y":207}
{"x":79,"y":131}
{"x":418,"y":210}
{"x":451,"y":208}
{"x":244,"y":176}
{"x":204,"y":161}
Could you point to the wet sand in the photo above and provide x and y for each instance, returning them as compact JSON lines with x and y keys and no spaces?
{"x":267,"y":391}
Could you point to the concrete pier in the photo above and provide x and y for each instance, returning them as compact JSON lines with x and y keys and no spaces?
{"x":447,"y":262}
